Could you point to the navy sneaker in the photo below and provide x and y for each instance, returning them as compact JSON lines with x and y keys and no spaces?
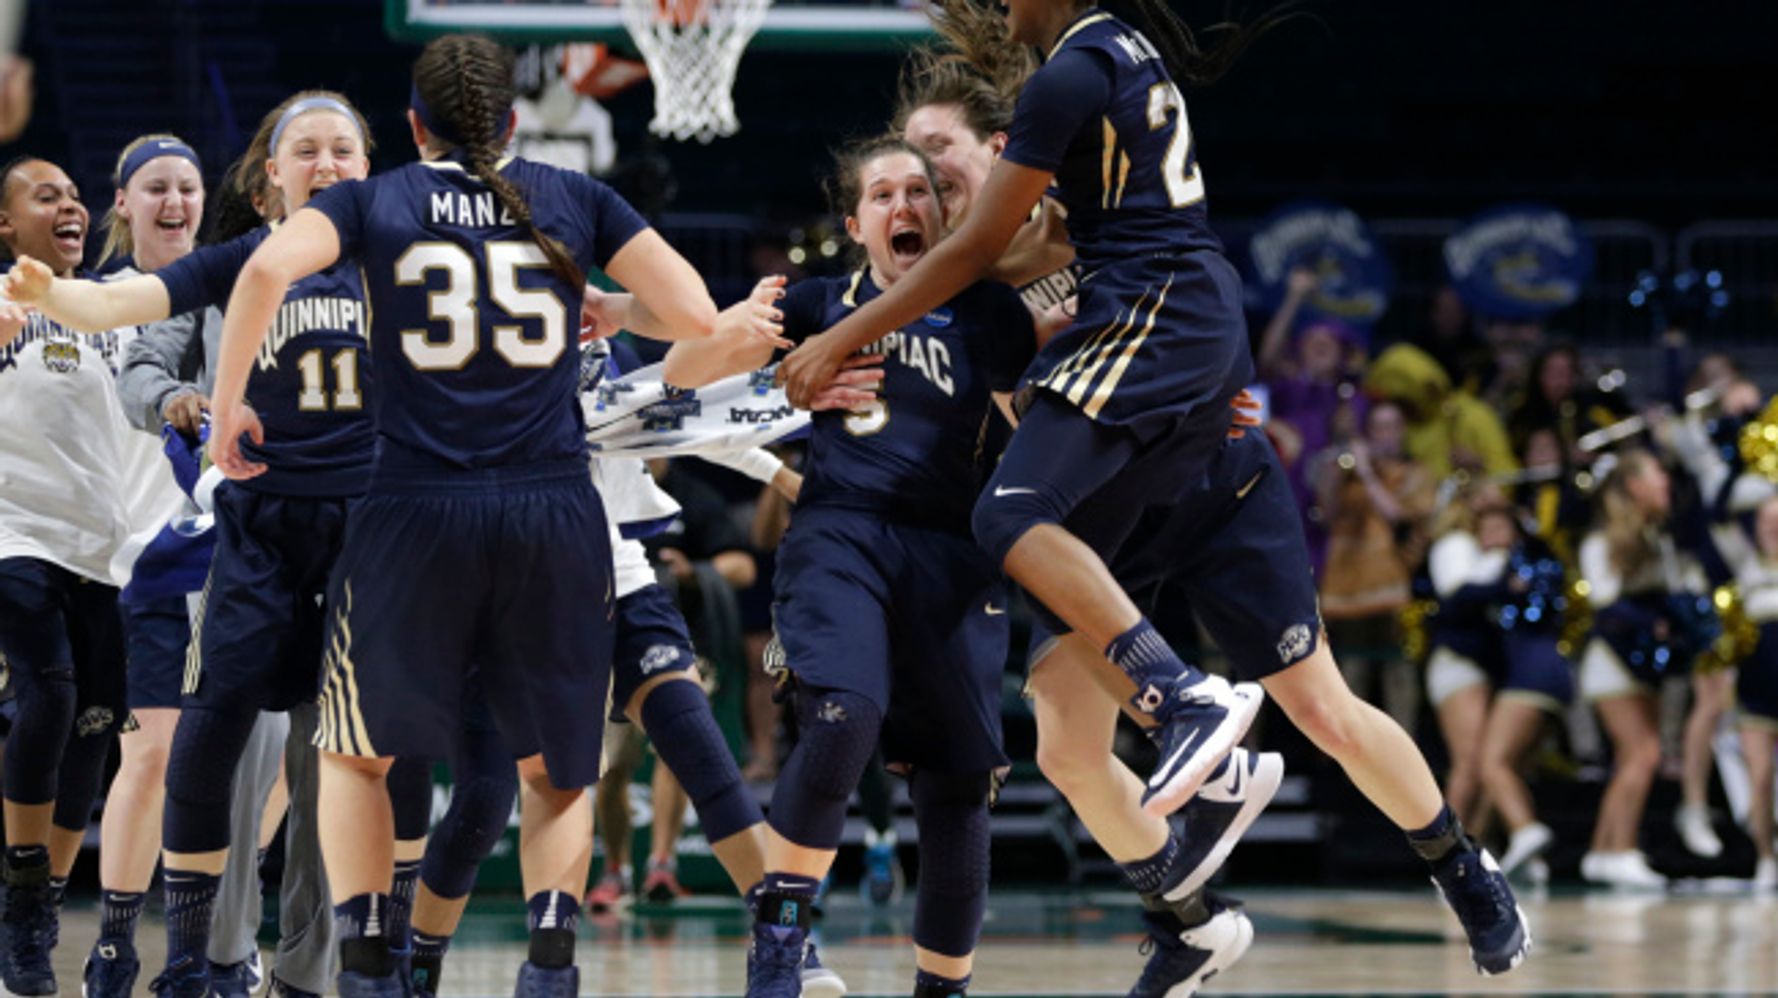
{"x":1476,"y":890}
{"x":1181,"y":959}
{"x":1223,"y":810}
{"x":820,"y":981}
{"x":540,"y":982}
{"x":775,"y":961}
{"x":237,"y":980}
{"x":1198,"y":725}
{"x":111,"y":969}
{"x":30,"y":934}
{"x":352,"y":984}
{"x":883,"y":880}
{"x":183,"y":978}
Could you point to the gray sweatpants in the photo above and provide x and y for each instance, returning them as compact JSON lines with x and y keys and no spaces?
{"x":305,"y":945}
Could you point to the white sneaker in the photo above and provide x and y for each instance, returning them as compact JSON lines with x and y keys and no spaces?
{"x":1527,"y":844}
{"x":1695,"y":830}
{"x":1765,"y":875}
{"x":1627,"y":870}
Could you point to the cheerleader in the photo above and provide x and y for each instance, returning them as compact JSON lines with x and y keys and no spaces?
{"x":1646,"y":625}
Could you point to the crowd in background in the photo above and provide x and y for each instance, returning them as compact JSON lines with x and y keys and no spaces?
{"x":1506,"y":532}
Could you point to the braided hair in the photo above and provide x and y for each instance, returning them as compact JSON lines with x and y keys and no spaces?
{"x":1188,"y":62}
{"x":975,"y":29}
{"x":468,"y":85}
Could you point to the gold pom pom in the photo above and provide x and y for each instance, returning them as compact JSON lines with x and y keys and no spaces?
{"x":1740,"y":634}
{"x":1759,"y":442}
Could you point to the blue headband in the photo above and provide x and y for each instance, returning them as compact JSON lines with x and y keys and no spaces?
{"x":437,"y":127}
{"x":306,"y":105}
{"x":151,"y":150}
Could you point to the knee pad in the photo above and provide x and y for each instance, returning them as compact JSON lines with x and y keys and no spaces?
{"x":839,"y":732}
{"x":1000,"y":517}
{"x":410,"y":797}
{"x":40,"y":734}
{"x":952,"y":895}
{"x":78,"y":779}
{"x":676,"y":715}
{"x":481,"y":805}
{"x":207,"y":746}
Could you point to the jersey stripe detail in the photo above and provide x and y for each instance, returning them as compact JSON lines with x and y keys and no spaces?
{"x":1107,"y":156}
{"x":1103,"y":395}
{"x":342,"y":729}
{"x":194,"y":648}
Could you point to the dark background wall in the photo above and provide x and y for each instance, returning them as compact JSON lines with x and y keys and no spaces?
{"x":1655,"y":110}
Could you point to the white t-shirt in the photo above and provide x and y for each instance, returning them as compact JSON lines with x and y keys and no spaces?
{"x":62,"y":449}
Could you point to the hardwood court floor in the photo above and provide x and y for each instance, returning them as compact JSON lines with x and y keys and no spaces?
{"x":1309,"y":942}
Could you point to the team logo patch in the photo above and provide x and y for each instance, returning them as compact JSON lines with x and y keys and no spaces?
{"x":658,"y":657}
{"x":671,"y":412}
{"x":1295,"y":643}
{"x":1150,"y":699}
{"x":62,"y":358}
{"x":831,"y":713}
{"x":93,"y":720}
{"x":939,"y":318}
{"x":761,"y":382}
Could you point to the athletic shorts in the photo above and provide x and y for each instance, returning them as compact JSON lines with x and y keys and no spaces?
{"x":508,"y":569}
{"x":1535,"y":671}
{"x":913,"y":618}
{"x":260,"y":618}
{"x":650,"y":639}
{"x":1756,"y":682}
{"x":1234,"y":543}
{"x":156,"y":634}
{"x":1158,"y":346}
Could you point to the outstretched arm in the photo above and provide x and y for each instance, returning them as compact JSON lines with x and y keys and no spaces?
{"x":1005,"y":203}
{"x":677,"y":304}
{"x":305,"y":244}
{"x":87,"y":306}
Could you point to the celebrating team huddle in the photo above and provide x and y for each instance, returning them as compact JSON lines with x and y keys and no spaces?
{"x":1035,"y":376}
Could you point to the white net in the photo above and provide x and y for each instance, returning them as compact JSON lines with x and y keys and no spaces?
{"x":693,"y":48}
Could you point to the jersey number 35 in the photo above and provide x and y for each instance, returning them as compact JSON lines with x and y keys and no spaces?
{"x":455,"y":305}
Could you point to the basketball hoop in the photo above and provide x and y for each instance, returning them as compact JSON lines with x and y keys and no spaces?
{"x":693,"y":48}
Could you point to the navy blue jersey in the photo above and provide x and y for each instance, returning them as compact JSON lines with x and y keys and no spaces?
{"x":912,"y":453}
{"x":1104,"y":117}
{"x":472,"y":332}
{"x":311,"y":381}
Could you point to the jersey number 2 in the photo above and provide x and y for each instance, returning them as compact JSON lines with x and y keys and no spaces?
{"x":455,"y":306}
{"x":1183,"y":188}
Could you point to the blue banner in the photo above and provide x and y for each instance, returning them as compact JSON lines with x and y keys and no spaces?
{"x":1353,"y":276}
{"x":1519,"y":261}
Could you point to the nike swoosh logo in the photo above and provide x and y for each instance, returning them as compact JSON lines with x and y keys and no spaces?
{"x":1001,"y":490}
{"x":994,"y":611}
{"x":1241,"y":493}
{"x":1175,"y":757}
{"x":1237,"y":774}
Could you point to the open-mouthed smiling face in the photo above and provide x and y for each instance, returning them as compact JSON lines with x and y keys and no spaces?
{"x":897,"y":217}
{"x":43,"y":216}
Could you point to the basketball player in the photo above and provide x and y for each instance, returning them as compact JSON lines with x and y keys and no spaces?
{"x":62,"y":517}
{"x":953,"y":112}
{"x":260,"y":622}
{"x":1127,"y":410}
{"x":482,"y":535}
{"x":654,"y":685}
{"x":892,"y":623}
{"x":153,"y":222}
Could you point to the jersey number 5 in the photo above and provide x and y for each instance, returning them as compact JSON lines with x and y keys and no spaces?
{"x":455,"y":306}
{"x":1183,"y":188}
